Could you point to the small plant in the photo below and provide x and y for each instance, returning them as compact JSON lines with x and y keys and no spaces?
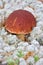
{"x":36,"y":58}
{"x":20,"y":53}
{"x":16,"y":62}
{"x":10,"y":61}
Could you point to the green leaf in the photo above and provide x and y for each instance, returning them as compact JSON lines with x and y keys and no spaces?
{"x":20,"y":53}
{"x":10,"y":61}
{"x":36,"y":58}
{"x":16,"y":61}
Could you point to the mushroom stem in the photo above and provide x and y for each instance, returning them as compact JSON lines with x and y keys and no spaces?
{"x":22,"y":37}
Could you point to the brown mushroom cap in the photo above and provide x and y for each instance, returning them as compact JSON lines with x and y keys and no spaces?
{"x":20,"y":22}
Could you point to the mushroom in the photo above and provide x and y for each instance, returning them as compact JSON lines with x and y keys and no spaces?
{"x":20,"y":22}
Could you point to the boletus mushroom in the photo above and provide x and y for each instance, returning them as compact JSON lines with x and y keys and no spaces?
{"x":20,"y":22}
